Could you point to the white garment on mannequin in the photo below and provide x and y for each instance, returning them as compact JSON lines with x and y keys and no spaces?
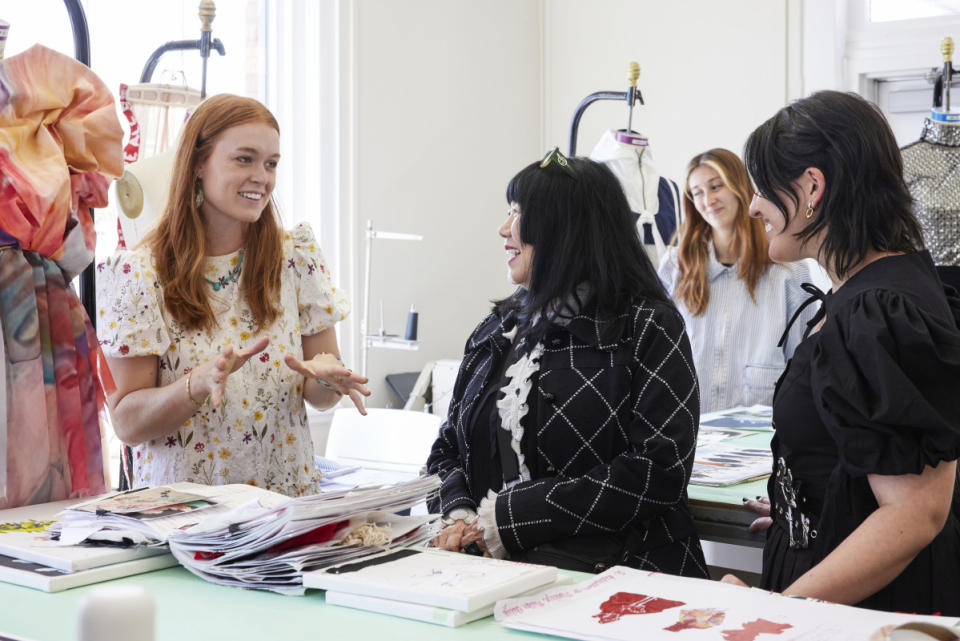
{"x":633,"y":167}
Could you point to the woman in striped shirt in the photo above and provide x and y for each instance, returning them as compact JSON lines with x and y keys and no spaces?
{"x":734,"y":299}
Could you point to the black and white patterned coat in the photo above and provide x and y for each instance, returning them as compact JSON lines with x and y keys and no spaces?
{"x":615,"y":436}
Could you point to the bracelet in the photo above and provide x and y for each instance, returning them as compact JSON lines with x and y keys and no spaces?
{"x":190,"y":392}
{"x":322,"y":382}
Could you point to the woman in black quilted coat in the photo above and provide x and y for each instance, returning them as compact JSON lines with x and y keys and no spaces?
{"x":571,"y":433}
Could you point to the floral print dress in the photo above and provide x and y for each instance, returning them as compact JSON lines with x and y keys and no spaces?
{"x":259,"y":435}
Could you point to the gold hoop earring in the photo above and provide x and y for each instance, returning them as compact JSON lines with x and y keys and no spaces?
{"x":198,"y":194}
{"x":809,"y":212}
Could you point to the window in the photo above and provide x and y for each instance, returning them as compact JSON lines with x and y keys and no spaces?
{"x":892,"y":10}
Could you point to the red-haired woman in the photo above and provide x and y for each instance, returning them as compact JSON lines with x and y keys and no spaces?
{"x":219,"y":324}
{"x":735,"y":301}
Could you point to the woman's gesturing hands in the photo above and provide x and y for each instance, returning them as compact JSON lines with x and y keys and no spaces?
{"x":211,"y":378}
{"x":327,"y":370}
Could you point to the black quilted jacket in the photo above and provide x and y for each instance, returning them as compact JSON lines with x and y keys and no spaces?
{"x":617,"y":416}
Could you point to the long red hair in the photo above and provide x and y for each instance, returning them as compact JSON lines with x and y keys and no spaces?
{"x":178,"y":243}
{"x":749,"y":245}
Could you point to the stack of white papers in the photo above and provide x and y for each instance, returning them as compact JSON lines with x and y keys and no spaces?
{"x":430,"y":585}
{"x":624,"y":604}
{"x":271,"y":547}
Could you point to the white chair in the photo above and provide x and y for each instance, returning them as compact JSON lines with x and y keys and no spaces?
{"x":384,"y":439}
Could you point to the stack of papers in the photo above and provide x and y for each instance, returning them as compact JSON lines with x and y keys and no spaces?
{"x":722,"y":464}
{"x":733,"y":446}
{"x":430,"y":585}
{"x":30,"y":557}
{"x":271,"y":548}
{"x":148,"y":516}
{"x":624,"y":604}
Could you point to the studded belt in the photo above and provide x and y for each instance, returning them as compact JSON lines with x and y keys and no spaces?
{"x":789,"y":504}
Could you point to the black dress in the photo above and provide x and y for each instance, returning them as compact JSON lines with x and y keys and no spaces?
{"x":875,"y":391}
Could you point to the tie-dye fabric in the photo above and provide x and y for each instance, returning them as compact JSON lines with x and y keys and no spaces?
{"x":60,"y":141}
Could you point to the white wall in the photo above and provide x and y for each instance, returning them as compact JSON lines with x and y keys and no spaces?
{"x":444,"y":100}
{"x":443,"y":106}
{"x":710,"y":72}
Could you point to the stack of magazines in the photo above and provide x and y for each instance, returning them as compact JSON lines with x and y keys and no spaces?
{"x":30,"y":556}
{"x":270,"y":547}
{"x":149,"y":516}
{"x":430,"y":585}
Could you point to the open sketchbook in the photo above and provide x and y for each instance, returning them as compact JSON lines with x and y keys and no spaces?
{"x":25,"y":535}
{"x":43,"y":577}
{"x":433,"y":578}
{"x":624,"y":604}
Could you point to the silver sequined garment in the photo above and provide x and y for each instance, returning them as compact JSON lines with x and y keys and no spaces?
{"x":931,"y":169}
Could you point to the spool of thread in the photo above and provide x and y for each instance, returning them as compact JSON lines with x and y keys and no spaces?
{"x":116,"y":613}
{"x":411,"y":333}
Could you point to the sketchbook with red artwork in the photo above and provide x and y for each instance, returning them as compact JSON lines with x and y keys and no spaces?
{"x":624,"y":604}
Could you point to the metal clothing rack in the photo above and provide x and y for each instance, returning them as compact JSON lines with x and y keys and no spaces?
{"x":81,"y":45}
{"x":81,"y":48}
{"x":632,"y":96}
{"x":943,"y":76}
{"x":207,"y":13}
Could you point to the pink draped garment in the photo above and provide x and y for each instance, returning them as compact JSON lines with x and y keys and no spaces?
{"x":60,"y":143}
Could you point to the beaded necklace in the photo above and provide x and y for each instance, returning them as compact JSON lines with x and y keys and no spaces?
{"x":223,"y":281}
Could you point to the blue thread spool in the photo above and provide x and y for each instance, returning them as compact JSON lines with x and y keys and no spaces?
{"x":411,"y":333}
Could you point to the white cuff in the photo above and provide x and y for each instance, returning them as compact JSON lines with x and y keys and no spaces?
{"x":487,"y":521}
{"x":465,"y":514}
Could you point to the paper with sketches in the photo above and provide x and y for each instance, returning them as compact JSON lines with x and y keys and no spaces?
{"x":624,"y":604}
{"x":726,"y":463}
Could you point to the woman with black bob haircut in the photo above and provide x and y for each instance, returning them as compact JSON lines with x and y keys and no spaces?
{"x":867,"y":413}
{"x":571,"y":432}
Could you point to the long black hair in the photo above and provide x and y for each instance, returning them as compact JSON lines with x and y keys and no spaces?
{"x":866,"y":204}
{"x":582,"y":232}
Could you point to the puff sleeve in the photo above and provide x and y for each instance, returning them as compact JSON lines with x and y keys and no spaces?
{"x":321,"y":305}
{"x":129,"y":310}
{"x":885,"y":373}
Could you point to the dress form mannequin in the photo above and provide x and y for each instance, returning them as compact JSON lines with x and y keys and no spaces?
{"x":654,"y":199}
{"x":931,"y":170}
